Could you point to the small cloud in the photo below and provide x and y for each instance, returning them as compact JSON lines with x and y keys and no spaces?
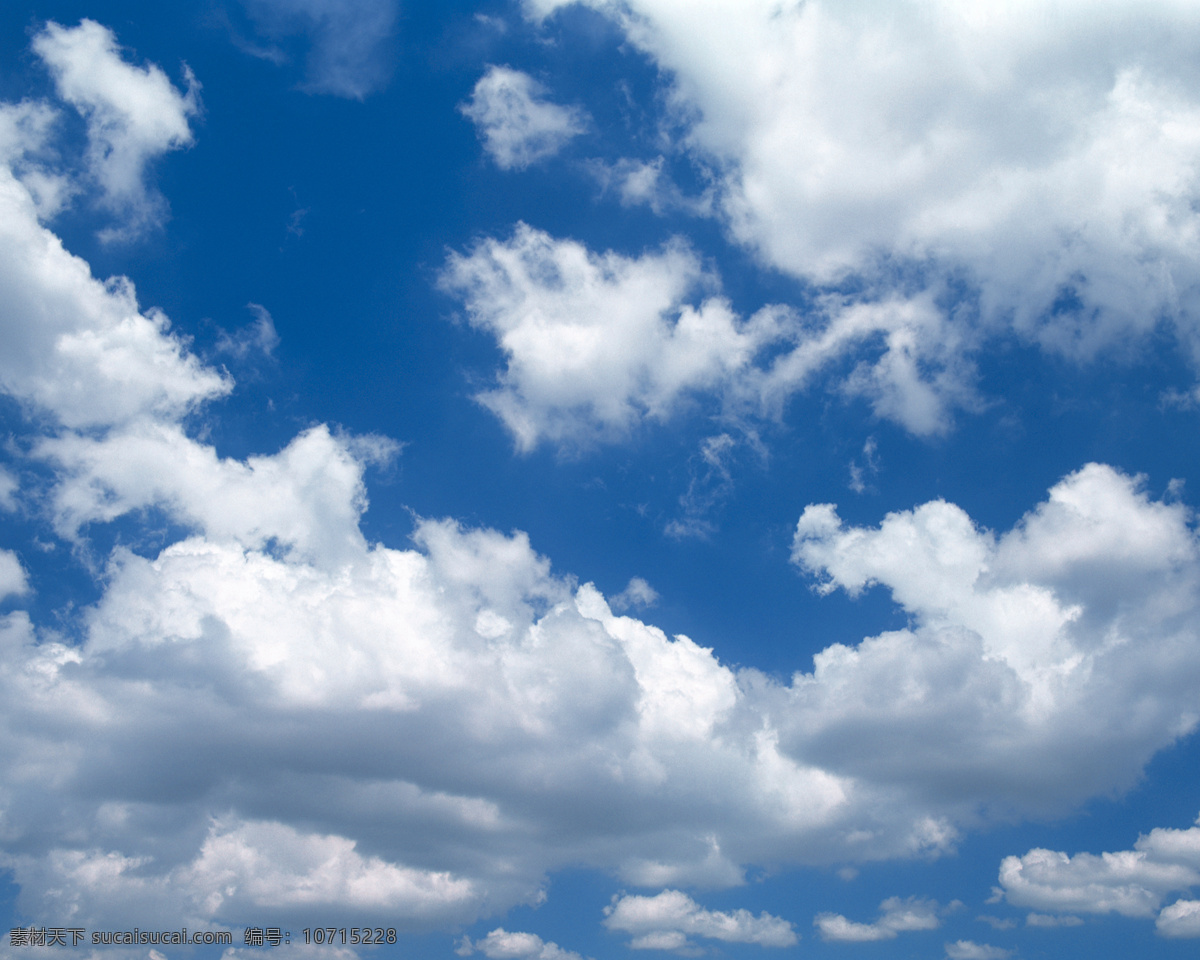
{"x":868,"y":468}
{"x":996,"y":923}
{"x":1181,"y":919}
{"x":896,"y":916}
{"x":295,"y":222}
{"x":13,"y":581}
{"x":519,"y":128}
{"x":645,"y":183}
{"x":133,"y":115}
{"x":969,"y":950}
{"x":665,"y":921}
{"x":502,"y":945}
{"x":259,"y":337}
{"x":638,"y":593}
{"x":8,"y":491}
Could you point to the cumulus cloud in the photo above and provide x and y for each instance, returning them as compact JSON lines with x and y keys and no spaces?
{"x":970,"y":950}
{"x":665,"y":921}
{"x":26,"y":135}
{"x":13,"y":581}
{"x":1133,"y":883}
{"x":1015,"y":638}
{"x":1181,"y":919}
{"x":133,"y":115}
{"x":502,"y":945}
{"x":990,"y":144}
{"x":271,"y":711}
{"x":348,"y":40}
{"x":596,"y":344}
{"x":517,"y":125}
{"x":637,"y":593}
{"x":895,"y":916}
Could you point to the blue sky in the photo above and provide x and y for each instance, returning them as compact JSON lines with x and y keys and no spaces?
{"x":602,"y":479}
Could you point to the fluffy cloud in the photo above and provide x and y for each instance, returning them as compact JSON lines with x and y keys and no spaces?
{"x":991,"y":145}
{"x":597,"y":343}
{"x":665,"y":921}
{"x":460,"y":668}
{"x":347,"y":40}
{"x":133,"y":114}
{"x":1180,"y":919}
{"x":13,"y":581}
{"x":273,"y":712}
{"x":517,"y":126}
{"x":1129,"y":882}
{"x":78,"y":348}
{"x":502,"y":945}
{"x":1022,"y":645}
{"x":970,"y":950}
{"x":895,"y":916}
{"x":594,"y":343}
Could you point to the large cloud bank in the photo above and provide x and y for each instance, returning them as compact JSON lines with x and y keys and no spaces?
{"x":272,"y":714}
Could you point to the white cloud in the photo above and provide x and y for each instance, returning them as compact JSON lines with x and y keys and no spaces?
{"x":1180,"y":920}
{"x":13,"y":581}
{"x":273,"y":711}
{"x":79,"y":348}
{"x":638,"y":182}
{"x":596,"y":344}
{"x":133,"y":115}
{"x":502,"y":945}
{"x":273,"y":866}
{"x":989,"y":143}
{"x":895,"y":916}
{"x":1129,"y":882}
{"x":665,"y":921}
{"x":517,"y":126}
{"x":306,"y":498}
{"x":348,"y":53}
{"x":970,"y":950}
{"x":637,"y":593}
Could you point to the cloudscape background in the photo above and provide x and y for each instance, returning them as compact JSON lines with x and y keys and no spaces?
{"x":602,"y":479}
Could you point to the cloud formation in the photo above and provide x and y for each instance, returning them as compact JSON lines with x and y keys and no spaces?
{"x":133,"y":115}
{"x":665,"y":921}
{"x":594,"y":343}
{"x":1133,"y":883}
{"x":272,"y":712}
{"x":970,"y":950}
{"x":1032,"y":169}
{"x":597,"y":343}
{"x":895,"y":916}
{"x":517,"y":125}
{"x":502,"y":945}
